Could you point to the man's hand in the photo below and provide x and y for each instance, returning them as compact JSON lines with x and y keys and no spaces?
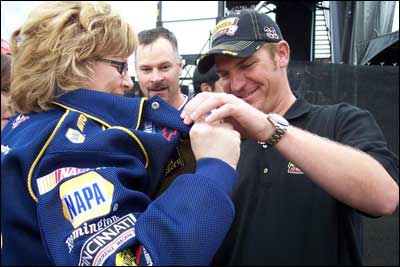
{"x":246,"y":119}
{"x":215,"y":140}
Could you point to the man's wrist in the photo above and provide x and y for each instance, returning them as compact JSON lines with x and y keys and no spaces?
{"x":280,"y":126}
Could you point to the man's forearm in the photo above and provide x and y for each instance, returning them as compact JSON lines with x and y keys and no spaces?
{"x":349,"y":175}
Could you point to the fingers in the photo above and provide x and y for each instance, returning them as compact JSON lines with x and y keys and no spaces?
{"x":220,"y":113}
{"x":216,"y":140}
{"x":224,"y":125}
{"x":207,"y":105}
{"x":199,"y":107}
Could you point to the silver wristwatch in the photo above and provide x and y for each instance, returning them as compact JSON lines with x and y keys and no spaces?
{"x":281,"y":125}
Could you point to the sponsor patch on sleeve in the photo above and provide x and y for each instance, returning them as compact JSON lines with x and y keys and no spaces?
{"x":75,"y":136}
{"x":49,"y":181}
{"x":86,"y":197}
{"x":125,"y":258}
{"x":103,"y":244}
{"x":18,"y":120}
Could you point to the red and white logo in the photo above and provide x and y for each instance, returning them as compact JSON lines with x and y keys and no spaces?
{"x":49,"y":181}
{"x":21,"y":118}
{"x":293,"y":169}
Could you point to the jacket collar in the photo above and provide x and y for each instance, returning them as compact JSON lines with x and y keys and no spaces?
{"x":122,"y":111}
{"x":112,"y":109}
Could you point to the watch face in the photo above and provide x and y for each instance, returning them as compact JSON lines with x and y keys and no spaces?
{"x":279,"y":119}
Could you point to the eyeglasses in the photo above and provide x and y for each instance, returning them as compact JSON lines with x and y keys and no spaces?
{"x":122,"y":67}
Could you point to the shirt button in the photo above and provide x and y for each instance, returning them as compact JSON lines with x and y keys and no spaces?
{"x":155,"y":105}
{"x":265,"y":170}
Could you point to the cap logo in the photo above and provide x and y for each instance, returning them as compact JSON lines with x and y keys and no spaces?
{"x":227,"y":26}
{"x":271,"y":32}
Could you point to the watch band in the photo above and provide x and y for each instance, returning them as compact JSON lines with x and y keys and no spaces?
{"x":276,"y":136}
{"x":280,"y":124}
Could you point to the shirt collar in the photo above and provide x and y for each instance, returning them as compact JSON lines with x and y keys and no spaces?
{"x":184,"y":102}
{"x":299,"y":107}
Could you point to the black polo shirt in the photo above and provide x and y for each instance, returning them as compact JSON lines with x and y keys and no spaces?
{"x":282,"y":217}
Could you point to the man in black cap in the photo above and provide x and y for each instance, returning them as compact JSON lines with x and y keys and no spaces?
{"x":307,"y":172}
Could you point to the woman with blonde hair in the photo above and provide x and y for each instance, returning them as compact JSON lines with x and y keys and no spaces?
{"x":78,"y":175}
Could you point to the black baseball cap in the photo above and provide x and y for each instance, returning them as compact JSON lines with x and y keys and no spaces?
{"x":240,"y":35}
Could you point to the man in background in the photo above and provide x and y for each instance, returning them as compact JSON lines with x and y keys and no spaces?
{"x":207,"y":82}
{"x":159,"y":65}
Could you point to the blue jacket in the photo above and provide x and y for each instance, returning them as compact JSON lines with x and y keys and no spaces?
{"x":77,"y":184}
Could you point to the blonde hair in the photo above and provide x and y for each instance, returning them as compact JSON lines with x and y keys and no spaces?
{"x":55,"y":50}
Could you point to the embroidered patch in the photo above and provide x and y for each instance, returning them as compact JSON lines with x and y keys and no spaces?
{"x":88,"y":229}
{"x":49,"y":181}
{"x":293,"y":169}
{"x":176,"y":163}
{"x":81,"y":122}
{"x":147,"y":257}
{"x":168,"y":134}
{"x":125,"y":258}
{"x":226,"y":26}
{"x":5,"y":149}
{"x":18,"y":120}
{"x":103,"y":244}
{"x":271,"y":32}
{"x":86,"y":197}
{"x":75,"y":136}
{"x":148,"y":127}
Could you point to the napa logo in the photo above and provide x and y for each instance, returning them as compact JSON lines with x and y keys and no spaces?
{"x":86,"y":197}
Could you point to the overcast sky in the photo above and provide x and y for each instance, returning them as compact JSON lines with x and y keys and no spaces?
{"x":141,"y":15}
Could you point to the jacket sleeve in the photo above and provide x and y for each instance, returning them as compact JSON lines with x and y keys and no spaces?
{"x":96,"y":213}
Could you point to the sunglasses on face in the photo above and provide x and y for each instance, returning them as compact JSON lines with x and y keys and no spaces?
{"x":122,"y":67}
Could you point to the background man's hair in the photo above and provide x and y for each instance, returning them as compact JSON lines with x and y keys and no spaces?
{"x":147,"y":37}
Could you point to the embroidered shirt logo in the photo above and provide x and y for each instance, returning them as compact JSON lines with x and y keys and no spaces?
{"x":176,"y":163}
{"x":18,"y":120}
{"x":125,"y":258}
{"x":103,"y":244}
{"x":168,"y":135}
{"x":49,"y":181}
{"x":148,"y":127}
{"x":293,"y":169}
{"x":88,"y":229}
{"x":75,"y":136}
{"x":5,"y":149}
{"x":81,"y":122}
{"x":86,"y":197}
